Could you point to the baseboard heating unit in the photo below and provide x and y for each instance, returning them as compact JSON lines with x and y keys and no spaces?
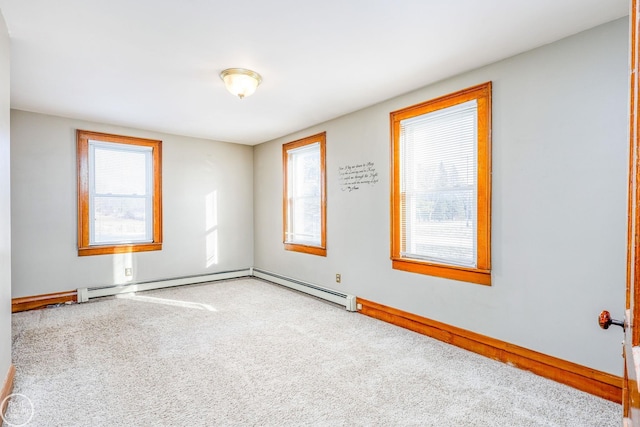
{"x":85,"y":294}
{"x":345,"y":300}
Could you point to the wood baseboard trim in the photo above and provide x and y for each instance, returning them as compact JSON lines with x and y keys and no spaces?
{"x":589,"y":380}
{"x":7,"y":389}
{"x":41,"y":301}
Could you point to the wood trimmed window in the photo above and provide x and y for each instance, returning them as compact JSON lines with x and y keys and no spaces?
{"x":441,"y":186}
{"x":119,"y":193}
{"x":304,"y":195}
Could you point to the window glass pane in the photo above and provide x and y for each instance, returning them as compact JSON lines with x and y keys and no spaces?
{"x":120,"y":219}
{"x":121,"y":193}
{"x":439,"y":183}
{"x":121,"y":172}
{"x":304,"y":195}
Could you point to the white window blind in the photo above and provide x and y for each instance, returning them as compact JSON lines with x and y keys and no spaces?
{"x":304,"y":196}
{"x":439,"y":157}
{"x":120,"y":193}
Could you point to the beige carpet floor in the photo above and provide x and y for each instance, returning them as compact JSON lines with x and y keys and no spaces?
{"x":249,"y":353}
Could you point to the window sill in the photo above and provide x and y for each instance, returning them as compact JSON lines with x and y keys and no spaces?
{"x":119,"y":249}
{"x":313,"y":250}
{"x":472,"y":275}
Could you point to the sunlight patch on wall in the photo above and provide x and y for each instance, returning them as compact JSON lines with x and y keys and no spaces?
{"x":211,"y":228}
{"x":123,"y":268}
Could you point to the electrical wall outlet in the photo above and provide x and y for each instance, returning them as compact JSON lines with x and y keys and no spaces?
{"x":128,"y":272}
{"x":338,"y":278}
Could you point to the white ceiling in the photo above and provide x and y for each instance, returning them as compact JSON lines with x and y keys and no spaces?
{"x":154,"y":64}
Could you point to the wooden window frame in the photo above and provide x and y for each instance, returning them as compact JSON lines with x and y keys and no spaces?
{"x":82,"y":159}
{"x":482,"y":273}
{"x":296,"y":247}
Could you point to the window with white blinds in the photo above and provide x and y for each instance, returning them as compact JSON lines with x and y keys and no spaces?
{"x":441,"y":188}
{"x":304,"y":195}
{"x":438,"y":178}
{"x":119,"y":194}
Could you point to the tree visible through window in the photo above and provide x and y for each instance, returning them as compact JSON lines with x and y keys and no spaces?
{"x":119,"y":194}
{"x":441,"y":186}
{"x":304,"y":209}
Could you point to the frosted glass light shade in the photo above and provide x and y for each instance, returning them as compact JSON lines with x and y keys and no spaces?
{"x":240,"y":81}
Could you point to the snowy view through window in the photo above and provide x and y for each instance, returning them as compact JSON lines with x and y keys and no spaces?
{"x":439,"y":185}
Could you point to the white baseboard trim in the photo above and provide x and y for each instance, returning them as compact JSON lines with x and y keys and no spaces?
{"x":85,"y":294}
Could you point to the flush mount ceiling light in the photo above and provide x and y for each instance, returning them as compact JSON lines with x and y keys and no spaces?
{"x":240,"y":81}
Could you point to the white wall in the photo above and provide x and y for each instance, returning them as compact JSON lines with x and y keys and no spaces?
{"x":559,"y":204}
{"x":5,"y":208}
{"x":44,"y":230}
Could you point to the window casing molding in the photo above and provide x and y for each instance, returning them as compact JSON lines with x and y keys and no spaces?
{"x":481,"y":273}
{"x":83,"y":141}
{"x":289,"y":244}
